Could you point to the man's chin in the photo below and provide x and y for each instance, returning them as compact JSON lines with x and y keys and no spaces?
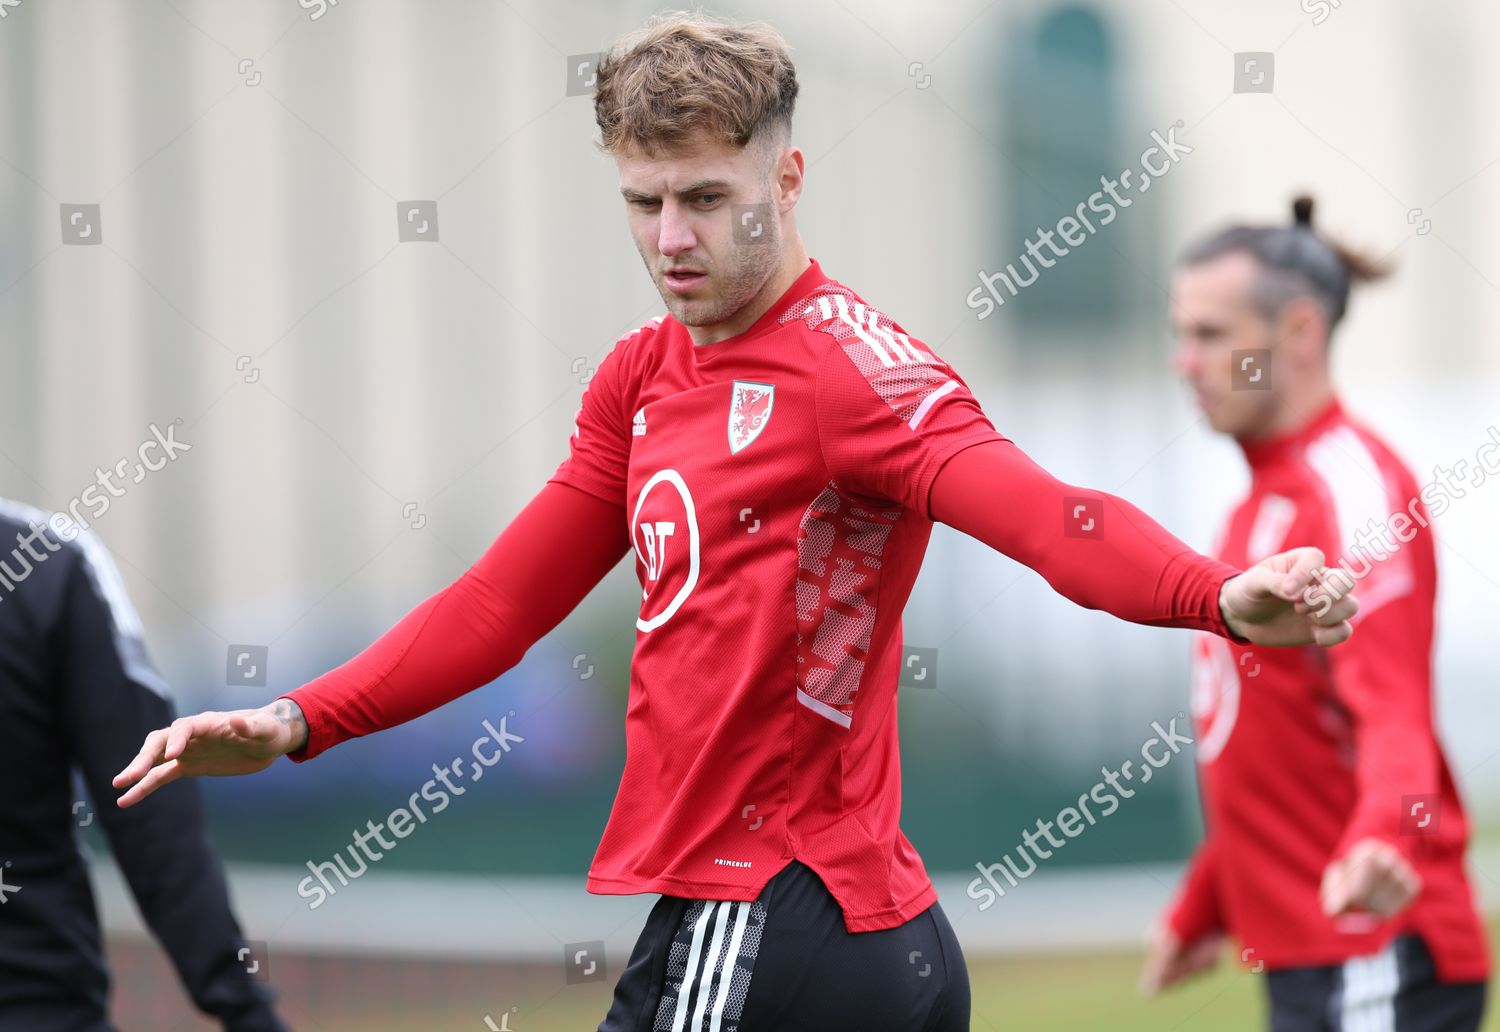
{"x":691,"y":311}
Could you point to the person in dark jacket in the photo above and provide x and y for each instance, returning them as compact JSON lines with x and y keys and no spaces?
{"x":78,"y":693}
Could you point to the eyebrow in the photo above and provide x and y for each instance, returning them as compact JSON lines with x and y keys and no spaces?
{"x":702,"y":186}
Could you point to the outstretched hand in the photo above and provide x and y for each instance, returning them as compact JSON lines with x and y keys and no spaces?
{"x":238,"y":742}
{"x":1372,"y":877}
{"x":1290,"y":598}
{"x":1169,"y":960}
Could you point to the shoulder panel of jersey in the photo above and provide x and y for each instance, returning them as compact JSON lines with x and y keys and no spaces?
{"x":1360,"y":485}
{"x":599,"y":447}
{"x":647,"y":327}
{"x":104,"y":575}
{"x":890,"y":412}
{"x":627,"y":355}
{"x":908,"y":377}
{"x":628,"y":343}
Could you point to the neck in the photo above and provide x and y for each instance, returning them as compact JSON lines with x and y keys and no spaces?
{"x":794,"y":262}
{"x":1296,"y":411}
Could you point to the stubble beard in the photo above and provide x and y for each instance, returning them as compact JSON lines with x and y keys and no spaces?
{"x":750,"y":267}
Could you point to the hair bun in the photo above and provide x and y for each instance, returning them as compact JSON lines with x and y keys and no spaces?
{"x":1302,"y":209}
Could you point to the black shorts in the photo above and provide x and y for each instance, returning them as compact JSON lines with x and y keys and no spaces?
{"x":1395,"y":990}
{"x":786,"y":963}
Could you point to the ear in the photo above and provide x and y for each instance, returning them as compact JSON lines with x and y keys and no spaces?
{"x":1302,"y":329}
{"x":790,"y":168}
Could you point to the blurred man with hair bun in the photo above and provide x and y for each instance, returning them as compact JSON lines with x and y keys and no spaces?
{"x":1334,"y":850}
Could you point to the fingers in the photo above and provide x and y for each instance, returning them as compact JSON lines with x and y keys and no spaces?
{"x":1161,"y":946}
{"x":1331,"y":894}
{"x":1330,"y":604}
{"x":162,"y":747}
{"x":1151,"y":983}
{"x":148,"y":757}
{"x":1336,"y":581}
{"x":1155,"y":973}
{"x":1374,"y":877}
{"x":1305,"y":562}
{"x":177,"y":737}
{"x":1342,"y":610}
{"x":1394,"y":882}
{"x":1335,"y":635}
{"x":159,"y":776}
{"x":1348,"y":882}
{"x":1397,"y":894}
{"x":1170,"y":961}
{"x":1329,"y":594}
{"x":1331,"y":626}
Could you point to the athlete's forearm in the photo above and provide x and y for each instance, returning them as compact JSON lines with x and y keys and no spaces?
{"x":1381,"y":676}
{"x":1092,"y":547}
{"x":1398,"y":782}
{"x":549,"y":557}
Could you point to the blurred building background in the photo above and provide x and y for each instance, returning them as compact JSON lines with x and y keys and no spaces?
{"x":370,"y":397}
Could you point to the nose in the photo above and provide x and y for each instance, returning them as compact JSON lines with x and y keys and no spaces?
{"x":674,"y":231}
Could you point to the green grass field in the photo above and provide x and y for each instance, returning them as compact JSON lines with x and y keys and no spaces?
{"x":1031,"y":993}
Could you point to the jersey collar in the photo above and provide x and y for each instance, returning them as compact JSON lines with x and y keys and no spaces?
{"x":810,"y":280}
{"x":1264,"y":453}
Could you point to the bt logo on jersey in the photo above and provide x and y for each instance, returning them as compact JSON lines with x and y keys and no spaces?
{"x":664,"y":514}
{"x":655,"y":536}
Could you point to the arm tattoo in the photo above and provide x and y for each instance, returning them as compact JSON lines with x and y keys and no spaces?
{"x":290,"y":714}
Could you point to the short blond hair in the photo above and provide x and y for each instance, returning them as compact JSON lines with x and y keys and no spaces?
{"x":685,"y":75}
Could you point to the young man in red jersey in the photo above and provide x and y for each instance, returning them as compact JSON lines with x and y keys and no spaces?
{"x":775,"y":452}
{"x":1335,"y":836}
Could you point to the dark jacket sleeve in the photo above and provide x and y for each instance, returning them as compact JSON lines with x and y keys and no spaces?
{"x":112,"y":698}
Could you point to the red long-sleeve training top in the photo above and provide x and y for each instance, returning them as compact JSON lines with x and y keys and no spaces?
{"x":778,"y":489}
